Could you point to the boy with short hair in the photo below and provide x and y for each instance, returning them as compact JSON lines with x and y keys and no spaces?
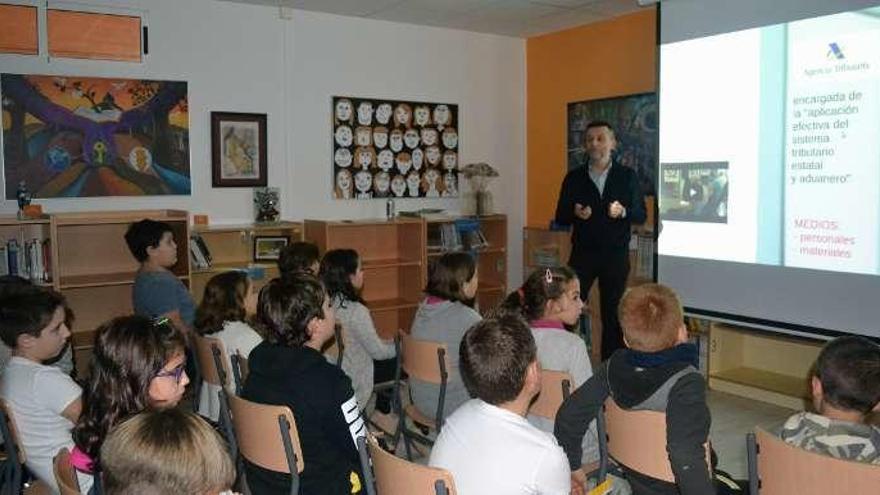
{"x":299,"y":257}
{"x":157,"y":292}
{"x":846,"y":389}
{"x":487,"y":443}
{"x":45,"y":402}
{"x":659,"y":372}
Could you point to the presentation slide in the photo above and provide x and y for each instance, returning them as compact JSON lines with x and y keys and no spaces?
{"x":770,"y":157}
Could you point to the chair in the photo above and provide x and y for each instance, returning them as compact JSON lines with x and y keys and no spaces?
{"x":426,"y":361}
{"x":396,"y":476}
{"x":239,"y":371}
{"x":778,"y":468}
{"x":637,"y":440}
{"x":65,"y":474}
{"x":212,"y":372}
{"x":12,"y":467}
{"x":267,"y":437}
{"x":555,"y":388}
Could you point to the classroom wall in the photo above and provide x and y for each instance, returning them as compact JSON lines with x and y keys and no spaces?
{"x":245,"y":58}
{"x":600,"y":60}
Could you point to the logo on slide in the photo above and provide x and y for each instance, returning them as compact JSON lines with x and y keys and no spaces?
{"x":835,"y":52}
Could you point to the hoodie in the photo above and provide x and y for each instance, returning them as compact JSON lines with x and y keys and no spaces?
{"x":665,"y":381}
{"x":327,"y":418}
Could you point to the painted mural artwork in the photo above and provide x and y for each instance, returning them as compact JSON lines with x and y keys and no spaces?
{"x":68,"y":137}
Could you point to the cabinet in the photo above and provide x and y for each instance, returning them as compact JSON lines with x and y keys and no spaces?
{"x":94,"y":269}
{"x":393,"y":258}
{"x":491,"y":259}
{"x":760,"y":365}
{"x":232,"y":247}
{"x":24,"y":232}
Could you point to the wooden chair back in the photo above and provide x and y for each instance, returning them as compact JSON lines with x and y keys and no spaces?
{"x":239,"y":371}
{"x":778,"y":468}
{"x":11,"y":470}
{"x":637,"y":440}
{"x":396,"y":476}
{"x":267,"y":436}
{"x":65,"y":474}
{"x":555,"y":388}
{"x":207,"y":364}
{"x":424,"y":360}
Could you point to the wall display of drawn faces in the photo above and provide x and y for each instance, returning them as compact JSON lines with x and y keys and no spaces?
{"x":398,"y":149}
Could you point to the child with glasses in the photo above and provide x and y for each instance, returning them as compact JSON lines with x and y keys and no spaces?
{"x":137,"y":364}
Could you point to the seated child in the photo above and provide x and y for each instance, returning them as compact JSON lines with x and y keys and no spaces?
{"x":487,"y":444}
{"x":550,"y":300}
{"x":288,"y":369}
{"x":166,"y":452}
{"x":137,"y":364}
{"x":444,"y":316}
{"x":343,"y":276}
{"x":846,"y":389}
{"x":658,"y":372}
{"x":229,"y":302}
{"x":157,"y":292}
{"x":45,"y":402}
{"x":299,"y":257}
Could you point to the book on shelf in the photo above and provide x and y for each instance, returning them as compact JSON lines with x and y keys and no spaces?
{"x":471,"y":235}
{"x":450,"y":238}
{"x":31,"y":260}
{"x":203,"y":247}
{"x":199,"y":257}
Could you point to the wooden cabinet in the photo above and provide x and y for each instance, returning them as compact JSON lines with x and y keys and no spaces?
{"x":393,"y":258}
{"x":760,"y":365}
{"x":232,"y":248}
{"x":95,"y":270}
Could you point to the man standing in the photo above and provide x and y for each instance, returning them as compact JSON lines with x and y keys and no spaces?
{"x":601,"y":201}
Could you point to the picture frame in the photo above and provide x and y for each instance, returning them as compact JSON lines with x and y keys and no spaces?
{"x":268,"y":248}
{"x":238,"y":149}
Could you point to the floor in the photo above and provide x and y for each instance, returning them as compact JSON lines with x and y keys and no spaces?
{"x":732,"y":418}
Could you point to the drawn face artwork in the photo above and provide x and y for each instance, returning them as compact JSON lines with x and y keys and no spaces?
{"x":411,"y":138}
{"x":412,"y":184}
{"x":386,"y":160}
{"x":431,"y":177}
{"x":343,"y":182}
{"x":342,"y":157}
{"x":403,"y":115}
{"x":398,"y":186}
{"x":365,"y":113}
{"x":441,"y":115}
{"x":383,"y":113}
{"x":450,"y":160}
{"x":382,"y":183}
{"x":363,"y":136}
{"x":396,"y":140}
{"x":343,"y":135}
{"x":422,"y":115}
{"x":404,"y":162}
{"x":364,"y":157}
{"x":418,"y":158}
{"x":380,"y":137}
{"x":429,"y":137}
{"x":432,"y":154}
{"x":450,"y":138}
{"x":449,"y":186}
{"x":343,"y":110}
{"x":363,"y":180}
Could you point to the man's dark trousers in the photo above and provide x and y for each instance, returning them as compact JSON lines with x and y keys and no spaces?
{"x":611,"y":266}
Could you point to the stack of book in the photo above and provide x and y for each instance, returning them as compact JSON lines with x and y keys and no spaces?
{"x":32,"y":260}
{"x":198,"y":251}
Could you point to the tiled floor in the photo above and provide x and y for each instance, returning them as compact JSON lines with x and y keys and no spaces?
{"x":732,"y":418}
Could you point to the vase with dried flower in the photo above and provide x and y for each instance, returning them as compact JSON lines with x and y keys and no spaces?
{"x":479,"y":175}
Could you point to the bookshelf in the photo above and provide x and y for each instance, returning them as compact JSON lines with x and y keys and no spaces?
{"x":392,"y":254}
{"x":491,"y":258}
{"x":760,"y":365}
{"x":95,"y":271}
{"x":24,"y":232}
{"x":232,"y":248}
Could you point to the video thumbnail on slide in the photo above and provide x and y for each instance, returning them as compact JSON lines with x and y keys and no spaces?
{"x":694,"y":192}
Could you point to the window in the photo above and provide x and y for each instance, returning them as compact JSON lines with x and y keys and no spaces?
{"x":18,"y":29}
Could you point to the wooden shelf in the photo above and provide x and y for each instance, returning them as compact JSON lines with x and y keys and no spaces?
{"x":102,"y":279}
{"x":391,"y":304}
{"x":285,"y":225}
{"x":488,"y":250}
{"x":118,"y":217}
{"x":83,"y":340}
{"x":13,"y":221}
{"x":491,"y":287}
{"x":388,"y":263}
{"x":765,"y":380}
{"x":233,"y":265}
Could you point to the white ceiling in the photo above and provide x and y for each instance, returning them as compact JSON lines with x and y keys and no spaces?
{"x":521,"y":18}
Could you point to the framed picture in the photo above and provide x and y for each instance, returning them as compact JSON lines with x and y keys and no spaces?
{"x":268,"y":248}
{"x":238,"y":149}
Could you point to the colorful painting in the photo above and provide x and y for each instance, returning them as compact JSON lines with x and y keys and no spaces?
{"x":69,"y":137}
{"x":238,"y":149}
{"x":635,"y":121}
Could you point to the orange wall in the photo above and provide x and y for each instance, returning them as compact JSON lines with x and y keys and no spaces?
{"x":606,"y":59}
